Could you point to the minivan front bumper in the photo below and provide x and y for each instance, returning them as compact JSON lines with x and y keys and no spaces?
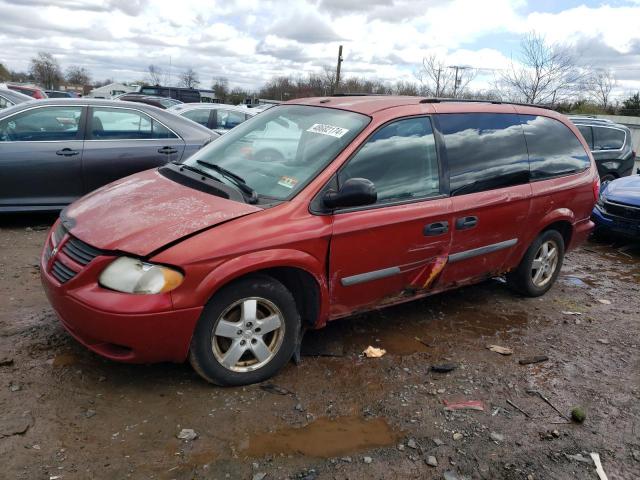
{"x":119,"y":326}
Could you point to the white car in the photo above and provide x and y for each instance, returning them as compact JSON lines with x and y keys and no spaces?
{"x":215,"y":116}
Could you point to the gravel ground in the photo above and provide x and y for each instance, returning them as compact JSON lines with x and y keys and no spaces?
{"x":68,"y":414}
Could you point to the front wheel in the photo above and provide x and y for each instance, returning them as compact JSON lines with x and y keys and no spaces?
{"x":540,"y":265}
{"x":247,"y":332}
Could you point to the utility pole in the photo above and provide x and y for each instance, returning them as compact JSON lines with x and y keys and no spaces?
{"x":457,"y":80}
{"x":335,"y":88}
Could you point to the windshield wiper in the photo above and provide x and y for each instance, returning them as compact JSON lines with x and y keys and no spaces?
{"x":195,"y":170}
{"x":237,"y":180}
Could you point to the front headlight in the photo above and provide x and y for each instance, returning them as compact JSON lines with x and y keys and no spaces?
{"x":131,"y":275}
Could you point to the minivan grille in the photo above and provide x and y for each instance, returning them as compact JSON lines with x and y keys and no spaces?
{"x":61,"y":272}
{"x":622,"y":210}
{"x":79,"y":251}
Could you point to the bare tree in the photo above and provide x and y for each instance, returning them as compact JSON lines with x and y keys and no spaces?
{"x":155,"y":74}
{"x":77,"y":76}
{"x":4,"y":73}
{"x":438,"y":79}
{"x":599,"y":86}
{"x":189,"y":78}
{"x":221,"y":88}
{"x":544,"y":73}
{"x":46,"y":70}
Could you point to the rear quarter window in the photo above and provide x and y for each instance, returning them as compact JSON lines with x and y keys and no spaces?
{"x":484,"y":151}
{"x":554,"y":149}
{"x":608,"y":138}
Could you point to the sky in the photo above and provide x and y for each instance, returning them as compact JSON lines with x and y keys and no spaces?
{"x":250,"y":41}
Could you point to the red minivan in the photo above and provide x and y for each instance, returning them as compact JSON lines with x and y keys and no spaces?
{"x":312,"y":211}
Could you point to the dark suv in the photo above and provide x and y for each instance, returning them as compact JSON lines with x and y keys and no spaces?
{"x":610,"y":144}
{"x":186,"y":95}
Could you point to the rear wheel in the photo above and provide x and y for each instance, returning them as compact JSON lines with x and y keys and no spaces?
{"x":540,"y":265}
{"x":246,"y":333}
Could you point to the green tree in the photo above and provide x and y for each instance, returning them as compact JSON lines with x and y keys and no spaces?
{"x":4,"y":73}
{"x":631,"y":106}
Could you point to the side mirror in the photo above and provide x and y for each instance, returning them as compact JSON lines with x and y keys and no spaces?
{"x":355,"y":192}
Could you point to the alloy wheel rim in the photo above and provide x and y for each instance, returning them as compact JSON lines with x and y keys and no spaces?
{"x":544,"y":263}
{"x":248,"y":334}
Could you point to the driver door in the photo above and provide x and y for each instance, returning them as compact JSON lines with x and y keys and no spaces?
{"x":398,"y":246}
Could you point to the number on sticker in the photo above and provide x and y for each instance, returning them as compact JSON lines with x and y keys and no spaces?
{"x":330,"y":130}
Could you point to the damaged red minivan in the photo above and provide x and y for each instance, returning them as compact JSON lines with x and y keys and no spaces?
{"x":309,"y":212}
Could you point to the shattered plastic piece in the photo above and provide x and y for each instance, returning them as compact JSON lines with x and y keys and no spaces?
{"x":464,"y":405}
{"x":500,"y":350}
{"x":187,"y":434}
{"x":599,"y":469}
{"x":572,"y":313}
{"x":444,"y":367}
{"x":604,"y":302}
{"x":373,"y":352}
{"x":535,"y":359}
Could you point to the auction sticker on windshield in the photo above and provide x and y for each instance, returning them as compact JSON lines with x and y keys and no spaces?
{"x":288,"y":182}
{"x":330,"y":130}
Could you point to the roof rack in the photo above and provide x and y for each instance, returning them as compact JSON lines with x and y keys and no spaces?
{"x":473,"y":100}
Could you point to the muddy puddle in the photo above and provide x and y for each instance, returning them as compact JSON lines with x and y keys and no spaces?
{"x":323,"y":438}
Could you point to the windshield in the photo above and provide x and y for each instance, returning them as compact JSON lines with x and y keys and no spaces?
{"x":280,"y":150}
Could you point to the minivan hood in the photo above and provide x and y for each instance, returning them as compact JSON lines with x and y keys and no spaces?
{"x":143,"y":212}
{"x":624,"y":190}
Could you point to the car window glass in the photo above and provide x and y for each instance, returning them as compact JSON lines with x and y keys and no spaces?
{"x":124,"y":124}
{"x":4,"y":103}
{"x":484,"y":151}
{"x":198,"y":115}
{"x":227,"y":119}
{"x":553,"y":148}
{"x":42,"y":124}
{"x":587,"y":133}
{"x":608,"y":138}
{"x":400,"y":159}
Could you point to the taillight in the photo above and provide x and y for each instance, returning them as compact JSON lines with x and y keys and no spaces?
{"x":596,"y":188}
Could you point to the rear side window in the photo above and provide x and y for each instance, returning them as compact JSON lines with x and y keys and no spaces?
{"x":553,"y":149}
{"x":199,"y":115}
{"x":587,"y":133}
{"x":125,"y":124}
{"x":484,"y":151}
{"x":227,"y":119}
{"x":400,"y":159}
{"x":608,"y":138}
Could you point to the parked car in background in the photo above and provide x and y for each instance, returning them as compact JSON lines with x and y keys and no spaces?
{"x":54,"y":151}
{"x":610,"y":144}
{"x":33,"y":92}
{"x":216,"y":116}
{"x":160,"y":102}
{"x":225,"y":259}
{"x":618,"y":208}
{"x":186,"y":95}
{"x":60,"y":94}
{"x":8,"y":98}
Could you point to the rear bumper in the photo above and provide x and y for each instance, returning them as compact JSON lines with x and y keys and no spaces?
{"x":581,"y":231}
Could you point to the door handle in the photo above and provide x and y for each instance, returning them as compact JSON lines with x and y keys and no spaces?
{"x":167,"y":150}
{"x":463,"y":223}
{"x":67,"y":152}
{"x":436,"y":228}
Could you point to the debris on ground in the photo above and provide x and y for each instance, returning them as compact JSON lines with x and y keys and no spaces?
{"x":373,"y":352}
{"x":534,"y":359}
{"x":90,"y":413}
{"x":578,"y":457}
{"x":431,"y":461}
{"x":276,"y":389}
{"x":603,"y":341}
{"x":571,"y":313}
{"x":259,"y":476}
{"x":496,"y":437}
{"x":500,"y":350}
{"x":578,"y":414}
{"x":604,"y":301}
{"x":518,"y":408}
{"x":548,"y":402}
{"x":457,"y":436}
{"x":599,"y":470}
{"x":6,"y":361}
{"x":412,"y":443}
{"x":15,"y":425}
{"x":187,"y":434}
{"x":444,"y":367}
{"x":464,"y":405}
{"x":449,"y":475}
{"x":367,"y":460}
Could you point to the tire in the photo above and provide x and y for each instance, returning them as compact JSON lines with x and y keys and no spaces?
{"x":530,"y":283}
{"x":609,"y":177}
{"x":235,"y":322}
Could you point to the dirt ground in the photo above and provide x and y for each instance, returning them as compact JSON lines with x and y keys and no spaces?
{"x":68,"y":414}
